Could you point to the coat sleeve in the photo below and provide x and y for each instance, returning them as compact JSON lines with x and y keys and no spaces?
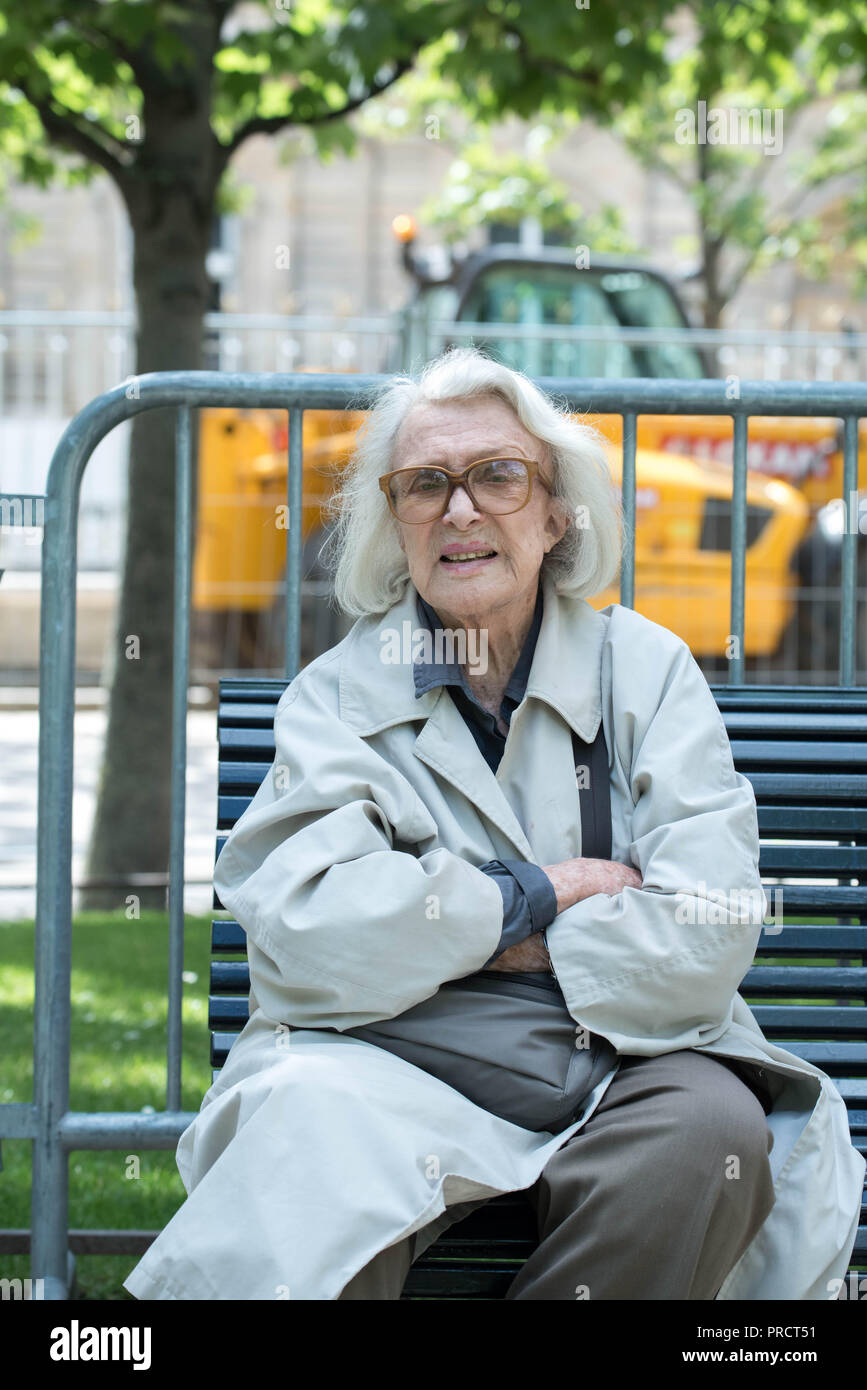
{"x":656,"y":968}
{"x":344,"y":926}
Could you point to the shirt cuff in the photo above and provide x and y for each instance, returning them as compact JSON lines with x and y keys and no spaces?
{"x":529,"y":900}
{"x":538,"y":890}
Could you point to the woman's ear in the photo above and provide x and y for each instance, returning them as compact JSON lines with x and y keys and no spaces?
{"x":558,"y":521}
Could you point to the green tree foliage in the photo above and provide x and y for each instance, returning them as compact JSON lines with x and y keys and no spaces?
{"x":763,"y":67}
{"x":485,"y":186}
{"x":840,"y":153}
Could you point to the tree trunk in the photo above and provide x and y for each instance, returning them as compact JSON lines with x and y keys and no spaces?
{"x":714,"y":302}
{"x":171,"y":208}
{"x":711,"y":250}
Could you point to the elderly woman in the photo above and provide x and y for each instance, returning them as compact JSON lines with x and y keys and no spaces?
{"x":422,"y":825}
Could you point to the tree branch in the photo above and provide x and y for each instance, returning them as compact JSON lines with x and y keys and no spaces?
{"x":147,"y":71}
{"x":737,"y":278}
{"x":269,"y":125}
{"x":755,"y":181}
{"x":649,"y":159}
{"x":740,"y":275}
{"x":551,"y":65}
{"x":221,"y":8}
{"x":62,"y":127}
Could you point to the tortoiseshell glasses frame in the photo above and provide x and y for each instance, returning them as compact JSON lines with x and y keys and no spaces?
{"x":531,"y":467}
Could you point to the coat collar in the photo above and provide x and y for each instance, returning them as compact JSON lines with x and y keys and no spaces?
{"x":565,"y":673}
{"x":376,"y":694}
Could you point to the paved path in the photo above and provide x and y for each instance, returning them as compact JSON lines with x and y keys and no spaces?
{"x":19,"y":731}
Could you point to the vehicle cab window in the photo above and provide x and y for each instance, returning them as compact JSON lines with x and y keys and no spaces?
{"x":545,"y":302}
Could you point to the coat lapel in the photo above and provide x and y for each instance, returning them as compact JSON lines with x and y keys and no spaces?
{"x":533,"y":799}
{"x":446,"y":745}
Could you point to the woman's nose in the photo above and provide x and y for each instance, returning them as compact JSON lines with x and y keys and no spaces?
{"x":460,"y":508}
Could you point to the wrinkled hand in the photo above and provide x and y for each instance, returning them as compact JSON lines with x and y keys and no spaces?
{"x":577,"y":879}
{"x":529,"y":954}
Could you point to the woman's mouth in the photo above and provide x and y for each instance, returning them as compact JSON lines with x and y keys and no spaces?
{"x":468,"y":561}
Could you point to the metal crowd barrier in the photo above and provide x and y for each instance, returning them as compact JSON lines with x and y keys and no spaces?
{"x":54,"y":1129}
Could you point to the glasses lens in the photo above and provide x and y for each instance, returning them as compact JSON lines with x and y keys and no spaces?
{"x":418,"y":493}
{"x":500,"y":485}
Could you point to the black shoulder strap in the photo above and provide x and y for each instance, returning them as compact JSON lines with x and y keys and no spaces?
{"x":594,"y":794}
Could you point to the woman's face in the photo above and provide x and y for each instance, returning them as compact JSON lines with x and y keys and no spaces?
{"x":456,"y":434}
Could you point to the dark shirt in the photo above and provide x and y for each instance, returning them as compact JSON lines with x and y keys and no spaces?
{"x":529,"y":900}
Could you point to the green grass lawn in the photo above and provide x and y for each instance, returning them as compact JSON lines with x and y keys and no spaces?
{"x":119,"y":987}
{"x":119,"y":1010}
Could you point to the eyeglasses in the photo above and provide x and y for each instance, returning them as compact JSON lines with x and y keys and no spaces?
{"x":495,"y":485}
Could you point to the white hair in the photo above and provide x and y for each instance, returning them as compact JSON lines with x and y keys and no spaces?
{"x":370,"y":568}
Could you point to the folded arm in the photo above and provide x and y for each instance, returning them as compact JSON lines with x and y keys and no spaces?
{"x":656,"y":968}
{"x":350,"y":928}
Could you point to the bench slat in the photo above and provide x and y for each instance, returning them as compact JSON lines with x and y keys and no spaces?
{"x":758,"y":724}
{"x":820,"y":861}
{"x":835,"y":794}
{"x":249,"y":714}
{"x":253,"y":741}
{"x":824,"y":980}
{"x":235,"y":688}
{"x":451,"y":1280}
{"x":829,"y":757}
{"x":825,"y":1054}
{"x":229,"y":809}
{"x":230,"y":977}
{"x":831,"y":940}
{"x":258,"y":742}
{"x":827,"y":699}
{"x":805,"y":822}
{"x":820,"y":1021}
{"x":812,"y":822}
{"x":777,"y":861}
{"x":233,"y":977}
{"x":242,"y":774}
{"x":771,"y":787}
{"x":805,"y":899}
{"x":853,"y":1089}
{"x":813,"y":1020}
{"x":227,"y":936}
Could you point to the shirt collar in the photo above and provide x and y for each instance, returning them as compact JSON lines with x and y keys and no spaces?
{"x":431,"y":674}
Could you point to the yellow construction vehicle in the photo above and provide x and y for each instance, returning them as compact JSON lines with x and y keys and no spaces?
{"x":682,"y":556}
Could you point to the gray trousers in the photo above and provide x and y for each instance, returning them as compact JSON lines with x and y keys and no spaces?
{"x":656,"y":1197}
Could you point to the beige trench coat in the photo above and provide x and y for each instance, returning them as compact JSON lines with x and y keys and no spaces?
{"x":354,"y":872}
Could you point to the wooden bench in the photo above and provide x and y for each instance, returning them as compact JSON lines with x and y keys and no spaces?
{"x":805,"y":752}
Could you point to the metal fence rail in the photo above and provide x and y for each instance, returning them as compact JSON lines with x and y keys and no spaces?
{"x":48,"y":1121}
